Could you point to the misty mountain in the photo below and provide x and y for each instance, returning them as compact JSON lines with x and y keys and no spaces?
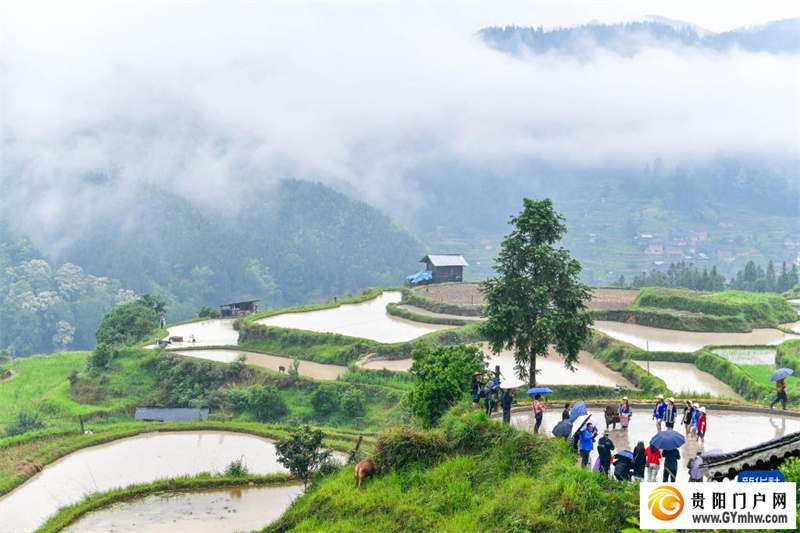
{"x":630,"y":38}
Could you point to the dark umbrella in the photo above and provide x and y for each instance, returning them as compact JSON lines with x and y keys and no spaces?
{"x":539,"y":390}
{"x":563,"y":429}
{"x":781,"y":373}
{"x":625,"y":453}
{"x":579,"y":409}
{"x":668,"y":440}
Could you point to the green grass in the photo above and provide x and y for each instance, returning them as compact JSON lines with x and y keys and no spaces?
{"x":479,"y":476}
{"x":40,"y":384}
{"x":96,"y":501}
{"x":762,"y":373}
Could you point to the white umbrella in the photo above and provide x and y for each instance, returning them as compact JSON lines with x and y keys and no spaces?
{"x":511,"y":383}
{"x":580,"y":422}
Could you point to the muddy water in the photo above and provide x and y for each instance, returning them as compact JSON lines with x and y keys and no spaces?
{"x":745,"y":356}
{"x":120,"y":463}
{"x":226,"y":510}
{"x":590,"y":371}
{"x":215,"y":332}
{"x":727,"y":430}
{"x":669,"y":340}
{"x":368,"y":320}
{"x":794,"y":326}
{"x":307,"y":368}
{"x":686,"y":378}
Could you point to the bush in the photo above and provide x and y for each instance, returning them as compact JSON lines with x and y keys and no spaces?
{"x":127,"y":324}
{"x":399,"y":447}
{"x":266,"y":403}
{"x":25,"y":421}
{"x":101,"y":356}
{"x":237,"y":468}
{"x":354,"y":403}
{"x":239,"y":399}
{"x":325,"y":399}
{"x":294,"y":369}
{"x":443,"y":378}
{"x":208,"y":312}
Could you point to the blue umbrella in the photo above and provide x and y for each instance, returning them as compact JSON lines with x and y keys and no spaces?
{"x":539,"y":390}
{"x":781,"y":373}
{"x":579,"y":409}
{"x":625,"y":453}
{"x":668,"y":440}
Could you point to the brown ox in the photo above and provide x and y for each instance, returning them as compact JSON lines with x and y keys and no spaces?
{"x":281,"y":369}
{"x":364,"y":469}
{"x":176,"y":338}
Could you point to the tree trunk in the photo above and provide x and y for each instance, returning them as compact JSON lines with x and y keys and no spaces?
{"x":532,"y":370}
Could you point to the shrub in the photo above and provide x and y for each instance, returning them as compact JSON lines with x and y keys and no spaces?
{"x":399,"y":447}
{"x":354,"y":403}
{"x":239,"y":399}
{"x":73,"y":377}
{"x":101,"y":356}
{"x":294,"y":369}
{"x":208,"y":312}
{"x":266,"y":403}
{"x":325,"y":399}
{"x":25,"y":421}
{"x":237,"y":468}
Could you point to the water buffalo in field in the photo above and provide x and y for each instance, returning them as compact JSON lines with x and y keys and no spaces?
{"x":176,"y":338}
{"x":281,"y":369}
{"x":364,"y":469}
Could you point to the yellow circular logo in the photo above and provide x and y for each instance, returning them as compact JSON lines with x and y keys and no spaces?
{"x":666,"y":503}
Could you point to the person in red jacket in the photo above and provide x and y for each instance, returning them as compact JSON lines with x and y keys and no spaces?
{"x":653,"y":456}
{"x":701,"y":425}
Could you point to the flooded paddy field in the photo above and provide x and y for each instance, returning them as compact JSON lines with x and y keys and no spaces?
{"x":686,"y":378}
{"x":727,"y":430}
{"x":214,"y":332}
{"x":748,"y":356}
{"x":670,"y":340}
{"x":367,"y":320}
{"x":307,"y":369}
{"x":120,"y":463}
{"x":206,"y":511}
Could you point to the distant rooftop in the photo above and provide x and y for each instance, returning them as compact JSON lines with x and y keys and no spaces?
{"x":441,"y":260}
{"x":171,"y":414}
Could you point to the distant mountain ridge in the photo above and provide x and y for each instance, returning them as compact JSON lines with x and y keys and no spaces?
{"x":628,"y":39}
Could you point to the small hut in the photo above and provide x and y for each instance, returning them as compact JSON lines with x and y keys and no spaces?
{"x":239,"y":308}
{"x":445,"y":267}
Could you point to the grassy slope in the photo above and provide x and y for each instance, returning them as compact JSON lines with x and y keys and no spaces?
{"x":473,"y":474}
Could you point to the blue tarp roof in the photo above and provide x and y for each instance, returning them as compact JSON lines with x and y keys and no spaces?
{"x":422,"y":275}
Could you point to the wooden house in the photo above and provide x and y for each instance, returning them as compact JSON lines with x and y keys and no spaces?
{"x":239,"y":308}
{"x":445,"y":267}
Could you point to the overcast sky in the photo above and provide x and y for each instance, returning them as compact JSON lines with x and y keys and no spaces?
{"x":198,"y":95}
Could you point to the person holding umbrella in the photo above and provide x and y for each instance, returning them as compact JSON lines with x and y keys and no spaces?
{"x":587,"y":442}
{"x":669,"y":442}
{"x":623,"y":466}
{"x":779,"y":377}
{"x":625,"y":412}
{"x":658,"y":412}
{"x":538,"y":412}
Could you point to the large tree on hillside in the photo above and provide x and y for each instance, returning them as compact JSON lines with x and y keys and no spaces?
{"x":537,"y":298}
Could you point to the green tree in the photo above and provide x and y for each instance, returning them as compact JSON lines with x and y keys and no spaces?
{"x":25,"y":421}
{"x":354,"y":403}
{"x":127,"y":323}
{"x":154,"y":302}
{"x":266,"y":403}
{"x":302,"y":453}
{"x":325,"y":399}
{"x":443,"y":378}
{"x":537,"y":298}
{"x":294,"y":369}
{"x":208,"y":312}
{"x":101,"y":356}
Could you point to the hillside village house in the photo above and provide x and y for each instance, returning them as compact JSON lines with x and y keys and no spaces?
{"x":445,"y":267}
{"x":655,"y":247}
{"x":239,"y":308}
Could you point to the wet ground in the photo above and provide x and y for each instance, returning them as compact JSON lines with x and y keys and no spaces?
{"x":748,"y":356}
{"x":727,"y":430}
{"x":123,"y":462}
{"x":307,"y":369}
{"x":207,"y":511}
{"x":214,"y":332}
{"x":685,"y":378}
{"x":669,"y":340}
{"x":367,"y":320}
{"x":590,"y":371}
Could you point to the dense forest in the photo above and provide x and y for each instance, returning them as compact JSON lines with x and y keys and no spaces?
{"x":628,"y":39}
{"x":296,"y":242}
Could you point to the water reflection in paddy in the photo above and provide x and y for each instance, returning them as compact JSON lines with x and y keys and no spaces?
{"x":307,"y":368}
{"x":218,"y":510}
{"x":727,"y":430}
{"x":687,"y":378}
{"x":748,"y":356}
{"x":367,"y":320}
{"x":214,"y":332}
{"x":669,"y":340}
{"x":120,"y":463}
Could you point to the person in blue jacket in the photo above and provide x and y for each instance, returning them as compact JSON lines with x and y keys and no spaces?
{"x":658,"y":412}
{"x":587,"y":442}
